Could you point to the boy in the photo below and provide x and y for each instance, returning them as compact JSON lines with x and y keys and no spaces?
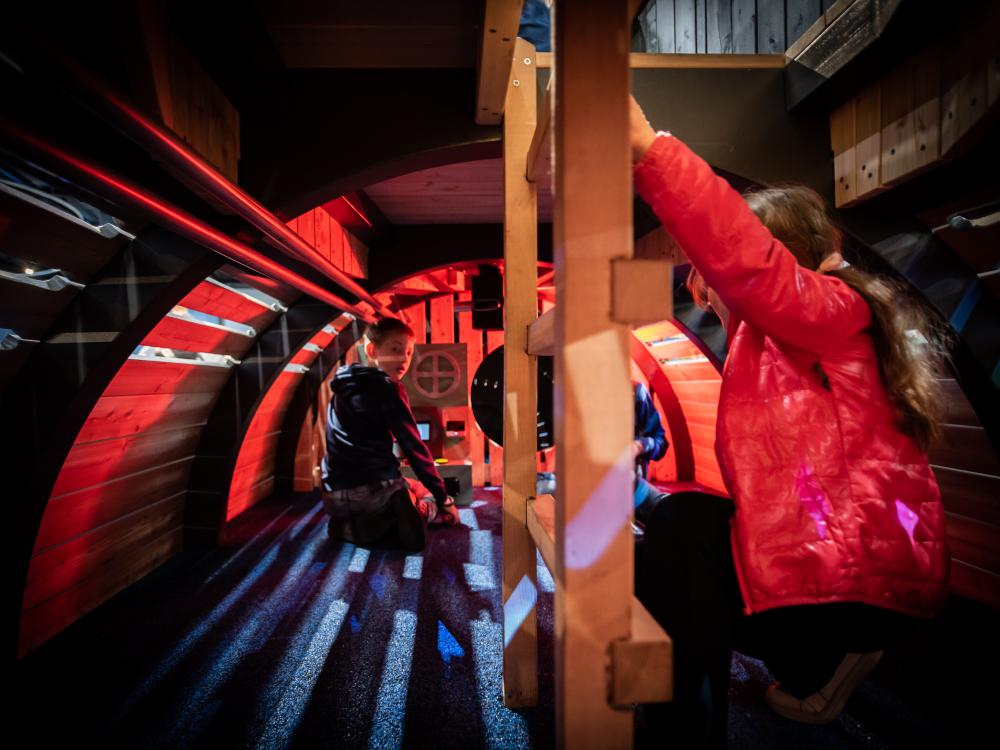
{"x":366,"y":496}
{"x":650,"y":444}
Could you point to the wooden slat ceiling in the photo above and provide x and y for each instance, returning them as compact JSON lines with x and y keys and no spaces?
{"x":463,"y":193}
{"x":386,"y":34}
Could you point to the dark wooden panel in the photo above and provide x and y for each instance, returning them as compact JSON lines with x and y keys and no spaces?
{"x":70,"y":515}
{"x":45,"y":240}
{"x":958,"y":410}
{"x":63,"y":567}
{"x":118,"y":416}
{"x":141,"y":377}
{"x":30,"y":310}
{"x":799,"y":16}
{"x":744,"y":27}
{"x":975,"y":583}
{"x":44,"y":621}
{"x":967,"y":448}
{"x":91,"y":464}
{"x":685,"y":26}
{"x":974,"y":542}
{"x":719,"y":26}
{"x":967,"y":494}
{"x":770,"y":27}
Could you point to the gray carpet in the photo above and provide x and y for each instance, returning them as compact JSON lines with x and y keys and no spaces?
{"x":286,"y":639}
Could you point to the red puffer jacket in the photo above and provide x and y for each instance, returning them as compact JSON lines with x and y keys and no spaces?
{"x":833,"y":503}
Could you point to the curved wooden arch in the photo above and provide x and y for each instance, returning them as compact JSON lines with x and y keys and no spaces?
{"x":660,"y":385}
{"x":49,"y":394}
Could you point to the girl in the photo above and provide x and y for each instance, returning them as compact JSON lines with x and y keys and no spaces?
{"x":834,"y":539}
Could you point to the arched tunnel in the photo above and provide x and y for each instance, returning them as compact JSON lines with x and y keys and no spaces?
{"x":201,"y":211}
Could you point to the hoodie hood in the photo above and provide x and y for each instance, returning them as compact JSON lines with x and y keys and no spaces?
{"x":358,"y":378}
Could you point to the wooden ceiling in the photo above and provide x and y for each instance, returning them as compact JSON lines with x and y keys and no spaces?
{"x":463,"y":193}
{"x":384,"y":34}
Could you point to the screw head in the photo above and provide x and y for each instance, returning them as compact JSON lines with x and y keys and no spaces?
{"x":527,"y":61}
{"x":516,"y":82}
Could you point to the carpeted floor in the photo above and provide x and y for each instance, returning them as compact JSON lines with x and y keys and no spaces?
{"x":286,"y":639}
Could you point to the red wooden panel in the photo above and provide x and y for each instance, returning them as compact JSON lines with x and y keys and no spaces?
{"x":701,"y":414}
{"x":173,"y":333}
{"x":662,"y":387}
{"x":64,"y":566}
{"x":139,"y":377}
{"x":118,"y":416}
{"x":473,"y":341}
{"x":90,"y":464}
{"x":337,"y":244}
{"x":216,"y":300}
{"x":709,"y":478}
{"x":250,"y":497}
{"x":47,"y":619}
{"x":307,"y":227}
{"x":691,"y":370}
{"x":697,"y":391}
{"x":416,"y":317}
{"x":443,"y":320}
{"x":71,"y":515}
{"x":322,"y":224}
{"x":494,"y":339}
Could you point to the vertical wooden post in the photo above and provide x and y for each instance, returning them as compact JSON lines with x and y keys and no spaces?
{"x":520,"y":674}
{"x":593,"y":396}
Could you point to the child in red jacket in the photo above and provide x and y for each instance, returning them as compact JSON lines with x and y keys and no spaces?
{"x":834,"y":540}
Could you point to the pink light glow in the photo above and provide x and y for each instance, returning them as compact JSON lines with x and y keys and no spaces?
{"x":907,"y":519}
{"x":812,"y":498}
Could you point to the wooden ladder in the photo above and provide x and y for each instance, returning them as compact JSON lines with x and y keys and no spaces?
{"x":610,"y":654}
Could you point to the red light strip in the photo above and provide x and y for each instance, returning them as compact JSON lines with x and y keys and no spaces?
{"x":184,"y":223}
{"x":156,"y":138}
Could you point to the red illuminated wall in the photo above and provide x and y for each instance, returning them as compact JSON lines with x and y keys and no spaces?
{"x":116,"y":509}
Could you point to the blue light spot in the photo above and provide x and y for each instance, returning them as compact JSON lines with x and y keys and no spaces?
{"x":355,"y":624}
{"x":447,"y":645}
{"x":378,"y":583}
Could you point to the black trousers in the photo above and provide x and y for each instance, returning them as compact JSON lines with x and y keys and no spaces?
{"x":684,"y":576}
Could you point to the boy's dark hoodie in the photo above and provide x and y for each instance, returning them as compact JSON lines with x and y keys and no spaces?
{"x":366,"y":412}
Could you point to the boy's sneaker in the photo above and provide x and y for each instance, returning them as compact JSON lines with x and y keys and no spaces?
{"x":825,"y":705}
{"x":409,"y":521}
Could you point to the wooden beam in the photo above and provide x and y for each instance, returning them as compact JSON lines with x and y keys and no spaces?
{"x":642,"y":290}
{"x":540,"y":152}
{"x":642,"y":664}
{"x":541,"y":335}
{"x":690,"y":61}
{"x":500,"y":24}
{"x":520,"y":673}
{"x":542,"y":525}
{"x":592,"y":225}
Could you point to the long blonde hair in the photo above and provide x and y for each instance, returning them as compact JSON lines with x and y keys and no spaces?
{"x":910,"y":345}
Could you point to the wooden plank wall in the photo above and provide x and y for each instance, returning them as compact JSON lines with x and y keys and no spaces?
{"x":332,"y":241}
{"x":727,"y":26}
{"x":968,"y":472}
{"x":926,"y":110}
{"x":116,"y":509}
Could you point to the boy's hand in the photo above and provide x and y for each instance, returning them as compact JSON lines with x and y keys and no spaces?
{"x":447,"y":513}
